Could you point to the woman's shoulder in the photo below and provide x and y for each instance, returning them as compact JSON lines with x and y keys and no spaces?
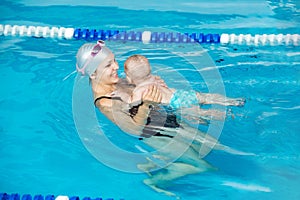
{"x":107,"y":101}
{"x":103,"y":101}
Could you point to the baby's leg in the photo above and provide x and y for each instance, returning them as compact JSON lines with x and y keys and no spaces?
{"x":206,"y":98}
{"x":194,"y":112}
{"x":213,"y":114}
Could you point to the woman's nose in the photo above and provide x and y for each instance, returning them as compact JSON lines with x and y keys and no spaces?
{"x":116,"y":65}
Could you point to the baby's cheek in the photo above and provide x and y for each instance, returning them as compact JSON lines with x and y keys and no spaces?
{"x":128,"y":79}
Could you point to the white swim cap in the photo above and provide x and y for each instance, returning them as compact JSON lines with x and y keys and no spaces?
{"x":89,"y":57}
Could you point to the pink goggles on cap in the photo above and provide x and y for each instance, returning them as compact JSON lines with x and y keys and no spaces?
{"x":96,"y":49}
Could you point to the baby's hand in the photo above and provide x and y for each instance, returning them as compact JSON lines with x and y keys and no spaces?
{"x":160,"y":81}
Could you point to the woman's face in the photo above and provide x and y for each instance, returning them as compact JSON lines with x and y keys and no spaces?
{"x":107,"y":71}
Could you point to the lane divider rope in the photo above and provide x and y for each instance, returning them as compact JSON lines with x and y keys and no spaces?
{"x":17,"y":196}
{"x":150,"y":37}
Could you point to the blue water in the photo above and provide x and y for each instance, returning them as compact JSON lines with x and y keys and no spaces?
{"x":40,"y":148}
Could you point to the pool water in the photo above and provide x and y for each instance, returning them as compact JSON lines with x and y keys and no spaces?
{"x":41,"y":152}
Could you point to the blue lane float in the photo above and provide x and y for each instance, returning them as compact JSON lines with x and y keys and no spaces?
{"x":150,"y":37}
{"x":17,"y":196}
{"x":145,"y":36}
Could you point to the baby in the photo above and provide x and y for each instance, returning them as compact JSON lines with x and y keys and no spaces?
{"x":138,"y":72}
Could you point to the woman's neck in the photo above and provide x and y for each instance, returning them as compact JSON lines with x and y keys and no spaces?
{"x":102,"y":89}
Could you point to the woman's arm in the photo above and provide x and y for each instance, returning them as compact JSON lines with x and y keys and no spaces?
{"x":123,"y":119}
{"x":133,"y":124}
{"x":149,"y":97}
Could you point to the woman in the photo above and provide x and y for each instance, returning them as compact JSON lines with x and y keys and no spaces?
{"x":175,"y":152}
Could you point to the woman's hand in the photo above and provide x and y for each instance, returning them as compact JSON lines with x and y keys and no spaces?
{"x":160,"y":81}
{"x":152,"y":95}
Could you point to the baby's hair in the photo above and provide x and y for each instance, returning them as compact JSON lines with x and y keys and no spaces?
{"x":137,"y":67}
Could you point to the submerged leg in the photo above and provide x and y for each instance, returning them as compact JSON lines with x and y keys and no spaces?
{"x":173,"y":171}
{"x":206,"y":142}
{"x":147,"y":167}
{"x":186,"y":162}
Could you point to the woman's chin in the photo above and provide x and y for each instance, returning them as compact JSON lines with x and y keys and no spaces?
{"x":115,"y":79}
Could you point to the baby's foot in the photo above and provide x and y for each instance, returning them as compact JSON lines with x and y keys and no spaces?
{"x":240,"y":102}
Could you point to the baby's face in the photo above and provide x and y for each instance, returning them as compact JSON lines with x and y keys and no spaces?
{"x":129,"y":79}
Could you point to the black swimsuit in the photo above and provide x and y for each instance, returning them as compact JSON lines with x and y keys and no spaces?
{"x":171,"y":120}
{"x":106,"y":97}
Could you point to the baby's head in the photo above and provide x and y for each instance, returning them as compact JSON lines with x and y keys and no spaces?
{"x":137,"y":68}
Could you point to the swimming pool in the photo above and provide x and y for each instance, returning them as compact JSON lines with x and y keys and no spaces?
{"x":41,"y":152}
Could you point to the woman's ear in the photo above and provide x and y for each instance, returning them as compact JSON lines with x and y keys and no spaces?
{"x":93,"y":75}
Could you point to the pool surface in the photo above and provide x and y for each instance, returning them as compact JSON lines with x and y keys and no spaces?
{"x":41,"y":152}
